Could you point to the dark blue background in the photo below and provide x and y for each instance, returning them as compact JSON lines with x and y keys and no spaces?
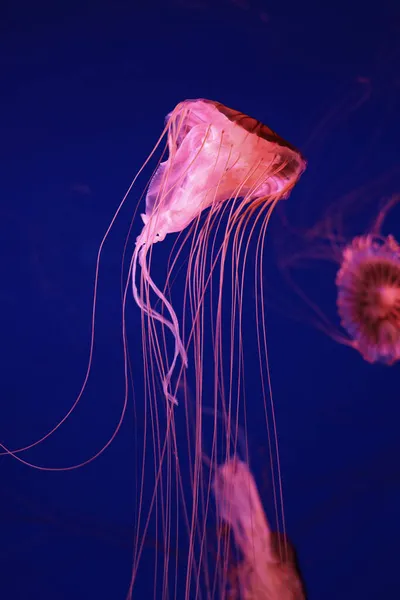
{"x":84,"y":91}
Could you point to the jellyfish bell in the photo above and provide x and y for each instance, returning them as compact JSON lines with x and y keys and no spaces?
{"x":215,"y":154}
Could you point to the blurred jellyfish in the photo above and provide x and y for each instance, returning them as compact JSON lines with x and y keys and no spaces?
{"x":367,"y":283}
{"x":265,"y":570}
{"x":368,"y":300}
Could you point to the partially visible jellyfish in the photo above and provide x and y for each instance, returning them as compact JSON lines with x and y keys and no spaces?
{"x":267,"y":565}
{"x":367,"y":286}
{"x":368,"y":300}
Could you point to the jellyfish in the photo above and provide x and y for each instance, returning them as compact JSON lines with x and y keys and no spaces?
{"x":215,"y":154}
{"x":220,"y":175}
{"x":368,"y":299}
{"x":367,"y":286}
{"x":215,"y":190}
{"x":267,"y":567}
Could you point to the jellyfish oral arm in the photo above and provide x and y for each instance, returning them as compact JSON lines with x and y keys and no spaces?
{"x":139,"y":256}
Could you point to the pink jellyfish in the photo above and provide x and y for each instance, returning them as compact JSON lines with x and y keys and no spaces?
{"x":215,"y":154}
{"x":367,"y":284}
{"x":368,"y":301}
{"x":224,"y":174}
{"x":265,"y":571}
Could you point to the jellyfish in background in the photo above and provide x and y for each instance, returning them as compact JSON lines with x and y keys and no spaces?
{"x":367,"y":284}
{"x":368,"y":300}
{"x":368,"y":292}
{"x":266,"y":570}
